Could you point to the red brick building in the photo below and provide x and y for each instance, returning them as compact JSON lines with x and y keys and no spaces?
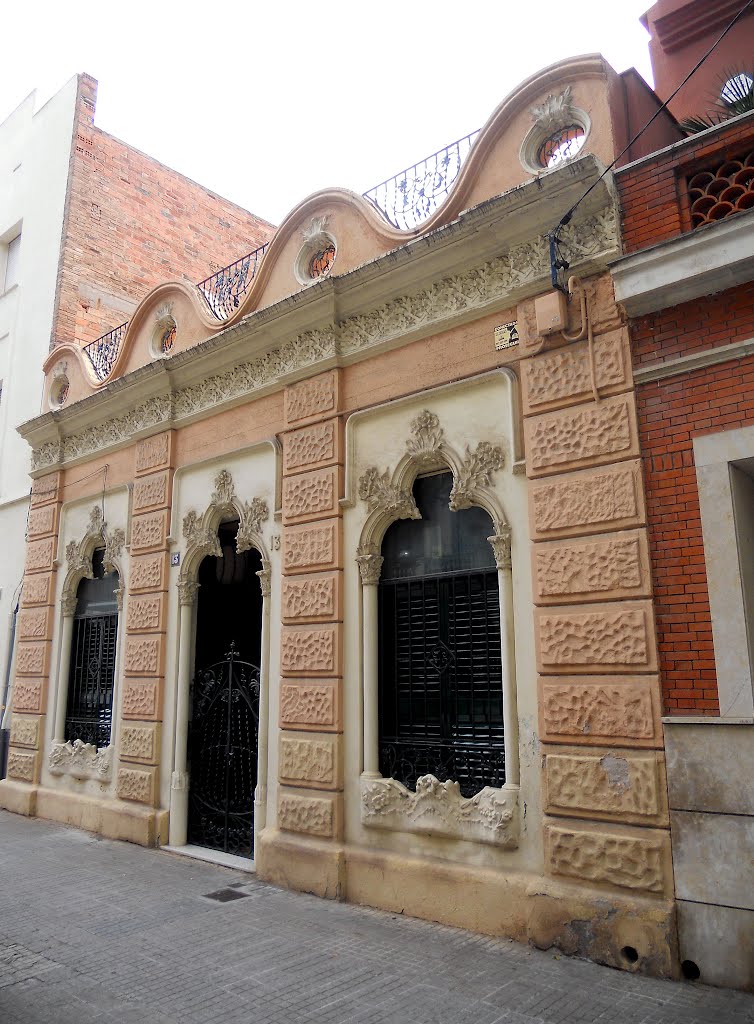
{"x":687,"y":284}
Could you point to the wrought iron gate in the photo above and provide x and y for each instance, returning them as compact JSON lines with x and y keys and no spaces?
{"x":223,"y":755}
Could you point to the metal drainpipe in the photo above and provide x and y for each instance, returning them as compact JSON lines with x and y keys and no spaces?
{"x":4,"y":707}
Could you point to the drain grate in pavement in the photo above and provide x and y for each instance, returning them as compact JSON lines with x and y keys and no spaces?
{"x":225,"y":895}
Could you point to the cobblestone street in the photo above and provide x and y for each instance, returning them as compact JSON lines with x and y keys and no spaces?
{"x":93,"y":930}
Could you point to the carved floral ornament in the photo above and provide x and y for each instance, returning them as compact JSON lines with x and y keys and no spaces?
{"x":80,"y":760}
{"x":470,"y":293}
{"x":437,"y":808}
{"x":200,"y":533}
{"x":389,"y":497}
{"x":78,"y":556}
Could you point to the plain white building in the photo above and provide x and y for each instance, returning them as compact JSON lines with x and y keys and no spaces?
{"x":35,"y":155}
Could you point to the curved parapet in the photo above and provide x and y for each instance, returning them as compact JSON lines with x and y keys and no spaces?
{"x":571,"y":108}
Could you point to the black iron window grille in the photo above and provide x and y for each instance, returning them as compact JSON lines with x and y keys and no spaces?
{"x":91,"y":677}
{"x":440,"y":665}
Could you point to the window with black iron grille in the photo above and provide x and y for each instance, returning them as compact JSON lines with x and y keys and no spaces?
{"x":91,"y":677}
{"x":440,"y":667}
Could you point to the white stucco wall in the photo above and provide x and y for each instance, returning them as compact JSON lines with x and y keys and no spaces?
{"x":35,"y":151}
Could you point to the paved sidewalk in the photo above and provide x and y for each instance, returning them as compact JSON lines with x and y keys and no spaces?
{"x":98,"y":931}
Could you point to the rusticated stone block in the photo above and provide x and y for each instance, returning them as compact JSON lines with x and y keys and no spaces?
{"x":617,"y":785}
{"x":600,"y":711}
{"x":45,"y":489}
{"x":28,"y":695}
{"x":587,"y":435}
{"x":32,"y":659}
{"x":143,"y":655}
{"x":306,"y":761}
{"x":22,"y":765}
{"x":140,"y":741}
{"x":42,"y":521}
{"x":310,"y":399}
{"x":37,"y":589}
{"x":310,"y":446}
{"x":24,"y":731}
{"x":151,"y":492}
{"x":153,"y":453}
{"x":145,"y":614}
{"x":608,"y":567}
{"x":137,"y":784}
{"x":564,"y":376}
{"x":310,"y":815}
{"x":308,"y":651}
{"x":312,"y":705}
{"x":312,"y":547}
{"x":149,"y":532}
{"x":312,"y":598}
{"x":588,"y":502}
{"x":310,"y":495}
{"x":592,"y":638}
{"x":40,"y":554}
{"x":142,"y":699}
{"x":147,"y":573}
{"x":35,"y":623}
{"x":637,"y":859}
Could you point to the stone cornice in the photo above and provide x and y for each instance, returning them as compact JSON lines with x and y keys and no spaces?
{"x":695,"y":361}
{"x":269,"y":349}
{"x":701,"y":262}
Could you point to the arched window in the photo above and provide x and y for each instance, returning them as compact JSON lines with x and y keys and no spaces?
{"x":91,"y":676}
{"x":440,"y":666}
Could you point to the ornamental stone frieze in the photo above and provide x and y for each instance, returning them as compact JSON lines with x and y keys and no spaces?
{"x":461,"y":296}
{"x":437,"y":808}
{"x":81,"y":760}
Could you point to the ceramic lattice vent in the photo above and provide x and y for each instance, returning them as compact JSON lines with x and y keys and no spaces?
{"x":721,"y":191}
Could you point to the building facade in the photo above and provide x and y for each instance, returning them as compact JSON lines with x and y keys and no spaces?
{"x":357,"y":579}
{"x":87,"y":225}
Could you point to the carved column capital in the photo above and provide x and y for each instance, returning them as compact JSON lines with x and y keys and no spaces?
{"x":119,"y":594}
{"x":370,"y":567}
{"x":69,"y":604}
{"x":179,"y":780}
{"x":501,"y":545}
{"x":187,"y":591}
{"x":265,"y":579}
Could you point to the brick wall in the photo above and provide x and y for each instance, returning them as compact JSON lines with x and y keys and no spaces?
{"x":132,"y":223}
{"x":653,"y":194}
{"x":671,"y":413}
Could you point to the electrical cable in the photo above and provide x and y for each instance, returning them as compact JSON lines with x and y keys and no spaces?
{"x":566,"y":218}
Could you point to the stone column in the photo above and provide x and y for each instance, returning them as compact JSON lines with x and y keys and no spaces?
{"x":305,"y":850}
{"x":370,"y":567}
{"x":501,"y":545}
{"x":66,"y":638}
{"x":260,"y":794}
{"x":146,"y":625}
{"x":187,"y":591}
{"x":34,"y":632}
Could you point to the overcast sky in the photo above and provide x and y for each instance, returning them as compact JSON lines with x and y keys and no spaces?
{"x":266,"y":103}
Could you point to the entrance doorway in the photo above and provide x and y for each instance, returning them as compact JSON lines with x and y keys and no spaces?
{"x":224,"y":724}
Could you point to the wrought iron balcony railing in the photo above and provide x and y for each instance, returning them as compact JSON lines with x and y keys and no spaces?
{"x":405,"y":200}
{"x":412,"y":196}
{"x":225,"y":290}
{"x":103,"y":352}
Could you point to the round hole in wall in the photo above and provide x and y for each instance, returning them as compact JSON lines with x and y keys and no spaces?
{"x":629,"y":954}
{"x":59,"y":392}
{"x":690,"y":970}
{"x":316,"y":257}
{"x":163,"y":338}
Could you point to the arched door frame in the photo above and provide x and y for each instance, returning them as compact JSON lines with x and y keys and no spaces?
{"x":200,"y":533}
{"x":84,"y":761}
{"x":389,"y":497}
